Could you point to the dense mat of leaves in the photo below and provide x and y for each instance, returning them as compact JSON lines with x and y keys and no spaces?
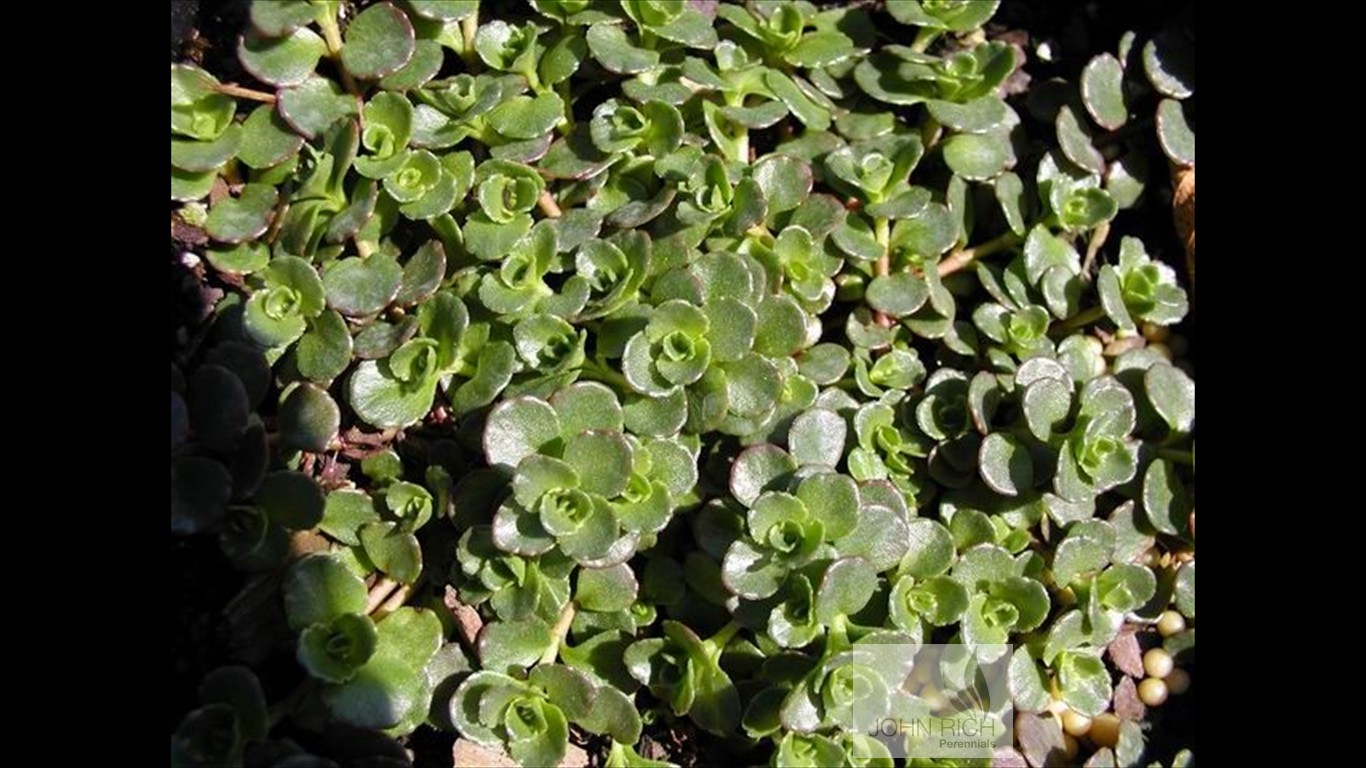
{"x":678,"y":348}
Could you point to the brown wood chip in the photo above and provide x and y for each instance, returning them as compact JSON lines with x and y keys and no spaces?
{"x":1040,"y":738}
{"x":1126,"y":653}
{"x":1127,"y":704}
{"x":467,"y":621}
{"x":467,"y":754}
{"x":1183,"y":209}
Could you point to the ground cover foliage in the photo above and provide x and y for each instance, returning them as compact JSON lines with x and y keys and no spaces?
{"x":608,"y":373}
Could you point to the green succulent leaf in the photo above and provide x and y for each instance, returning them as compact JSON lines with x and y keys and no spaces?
{"x":1185,"y":589}
{"x":614,"y":51}
{"x":1176,"y":130}
{"x":319,"y":588}
{"x":198,"y":110}
{"x":267,"y":140}
{"x":312,"y":106}
{"x":1005,"y":465}
{"x":309,"y":419}
{"x":361,"y":287}
{"x":518,"y":428}
{"x":1169,"y":62}
{"x":393,"y":550}
{"x":845,"y":588}
{"x":281,"y":61}
{"x":977,"y":157}
{"x":379,"y":41}
{"x":246,"y":217}
{"x":334,"y":651}
{"x":1102,"y":89}
{"x":281,"y":17}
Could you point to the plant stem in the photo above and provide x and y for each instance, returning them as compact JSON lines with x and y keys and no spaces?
{"x":882,"y":230}
{"x":598,"y":371}
{"x":930,"y":132}
{"x":379,"y":593}
{"x":964,"y":257}
{"x":332,"y":36}
{"x":468,"y":27}
{"x":558,"y":632}
{"x":232,"y":89}
{"x":548,"y":206}
{"x":1093,"y":247}
{"x":1082,"y":318}
{"x":923,"y":38}
{"x":718,"y":642}
{"x":395,"y":601}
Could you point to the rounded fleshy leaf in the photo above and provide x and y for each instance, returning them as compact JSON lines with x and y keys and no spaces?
{"x":656,"y":416}
{"x":931,"y":549}
{"x":281,"y":61}
{"x":425,"y":64}
{"x":977,"y":157}
{"x":1185,"y":590}
{"x":187,"y":186}
{"x":525,"y":117}
{"x":1076,"y":143}
{"x":753,"y":385}
{"x":1166,"y":503}
{"x":383,"y":399}
{"x":518,"y":428}
{"x":602,"y":460}
{"x":880,"y":537}
{"x":1172,"y":394}
{"x":834,"y":500}
{"x":1087,"y":208}
{"x":314,"y":105}
{"x":781,"y":330}
{"x":614,"y":50}
{"x":786,"y":181}
{"x":606,"y":589}
{"x":1169,"y":62}
{"x":758,"y":469}
{"x":198,"y":110}
{"x":246,"y":217}
{"x":319,"y":588}
{"x":359,"y":287}
{"x":278,"y":18}
{"x":333,"y":652}
{"x":378,"y":42}
{"x":200,"y":156}
{"x":931,"y":233}
{"x":818,"y":437}
{"x":291,"y":500}
{"x":309,"y":419}
{"x":324,"y":350}
{"x":982,"y":115}
{"x":750,"y":573}
{"x":1102,"y":90}
{"x":1176,"y":131}
{"x":267,"y":139}
{"x":1046,"y":404}
{"x":898,"y":294}
{"x":845,"y":588}
{"x":444,"y":10}
{"x":1005,"y":465}
{"x":393,"y":550}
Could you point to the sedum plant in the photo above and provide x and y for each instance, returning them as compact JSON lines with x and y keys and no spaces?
{"x":591,"y":370}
